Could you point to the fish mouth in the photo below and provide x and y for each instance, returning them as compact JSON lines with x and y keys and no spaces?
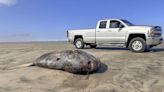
{"x":91,"y":67}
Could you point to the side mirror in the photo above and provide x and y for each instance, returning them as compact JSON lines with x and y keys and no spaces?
{"x":121,"y":26}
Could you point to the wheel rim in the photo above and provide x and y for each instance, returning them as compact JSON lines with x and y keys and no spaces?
{"x":137,"y":45}
{"x":78,"y":44}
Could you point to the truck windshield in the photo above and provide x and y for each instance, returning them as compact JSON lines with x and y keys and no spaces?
{"x":128,"y":23}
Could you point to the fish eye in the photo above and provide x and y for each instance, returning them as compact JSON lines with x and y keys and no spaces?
{"x":58,"y":59}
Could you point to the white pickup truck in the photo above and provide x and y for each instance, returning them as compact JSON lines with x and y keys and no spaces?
{"x":117,"y":32}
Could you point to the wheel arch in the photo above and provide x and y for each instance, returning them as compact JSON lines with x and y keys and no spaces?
{"x":134,"y":35}
{"x":77,"y":36}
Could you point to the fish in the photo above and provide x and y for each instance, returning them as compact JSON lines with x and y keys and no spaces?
{"x":73,"y":61}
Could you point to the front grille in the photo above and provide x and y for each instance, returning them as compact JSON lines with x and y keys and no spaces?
{"x":158,"y":28}
{"x":158,"y":31}
{"x":158,"y":34}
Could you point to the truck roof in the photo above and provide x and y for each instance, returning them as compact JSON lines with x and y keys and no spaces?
{"x":111,"y":19}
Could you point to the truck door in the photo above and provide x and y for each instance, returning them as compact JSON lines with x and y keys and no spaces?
{"x":116,"y":31}
{"x":111,"y":31}
{"x":102,"y":32}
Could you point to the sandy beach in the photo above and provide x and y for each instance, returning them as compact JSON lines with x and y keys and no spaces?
{"x":123,"y":70}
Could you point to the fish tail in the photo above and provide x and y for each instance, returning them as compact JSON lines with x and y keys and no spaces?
{"x":22,"y":66}
{"x":27,"y":65}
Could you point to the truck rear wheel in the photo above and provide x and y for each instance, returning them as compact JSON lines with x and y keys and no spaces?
{"x":137,"y":44}
{"x":79,"y":43}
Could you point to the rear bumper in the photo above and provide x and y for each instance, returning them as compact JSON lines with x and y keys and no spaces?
{"x":154,"y":41}
{"x":70,"y":40}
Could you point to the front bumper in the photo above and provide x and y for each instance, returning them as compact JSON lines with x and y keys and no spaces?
{"x":154,"y":41}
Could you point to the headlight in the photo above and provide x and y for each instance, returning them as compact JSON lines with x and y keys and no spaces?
{"x":152,"y":32}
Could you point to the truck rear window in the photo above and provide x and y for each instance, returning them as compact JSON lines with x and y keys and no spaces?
{"x":103,"y":24}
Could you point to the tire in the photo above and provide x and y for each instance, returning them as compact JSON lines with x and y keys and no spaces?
{"x":79,"y":43}
{"x":137,"y":44}
{"x":93,"y":45}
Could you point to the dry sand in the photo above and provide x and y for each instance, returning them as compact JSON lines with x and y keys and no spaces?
{"x":123,"y":71}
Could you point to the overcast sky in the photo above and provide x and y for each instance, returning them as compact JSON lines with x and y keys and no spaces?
{"x":48,"y":20}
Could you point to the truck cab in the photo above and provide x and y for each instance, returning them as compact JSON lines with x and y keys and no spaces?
{"x":111,"y":32}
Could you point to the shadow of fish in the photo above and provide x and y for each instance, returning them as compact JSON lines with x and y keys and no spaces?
{"x":73,"y":61}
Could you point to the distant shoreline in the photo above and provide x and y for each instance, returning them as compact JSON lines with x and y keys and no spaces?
{"x":34,"y":42}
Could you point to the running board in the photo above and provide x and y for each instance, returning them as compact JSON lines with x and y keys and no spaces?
{"x":114,"y":45}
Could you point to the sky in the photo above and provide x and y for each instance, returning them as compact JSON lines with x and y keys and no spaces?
{"x":48,"y":20}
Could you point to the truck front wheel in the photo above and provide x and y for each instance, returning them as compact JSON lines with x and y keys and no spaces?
{"x":79,"y":43}
{"x":137,"y":44}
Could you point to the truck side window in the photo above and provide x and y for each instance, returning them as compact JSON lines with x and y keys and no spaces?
{"x":116,"y":24}
{"x":103,"y":24}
